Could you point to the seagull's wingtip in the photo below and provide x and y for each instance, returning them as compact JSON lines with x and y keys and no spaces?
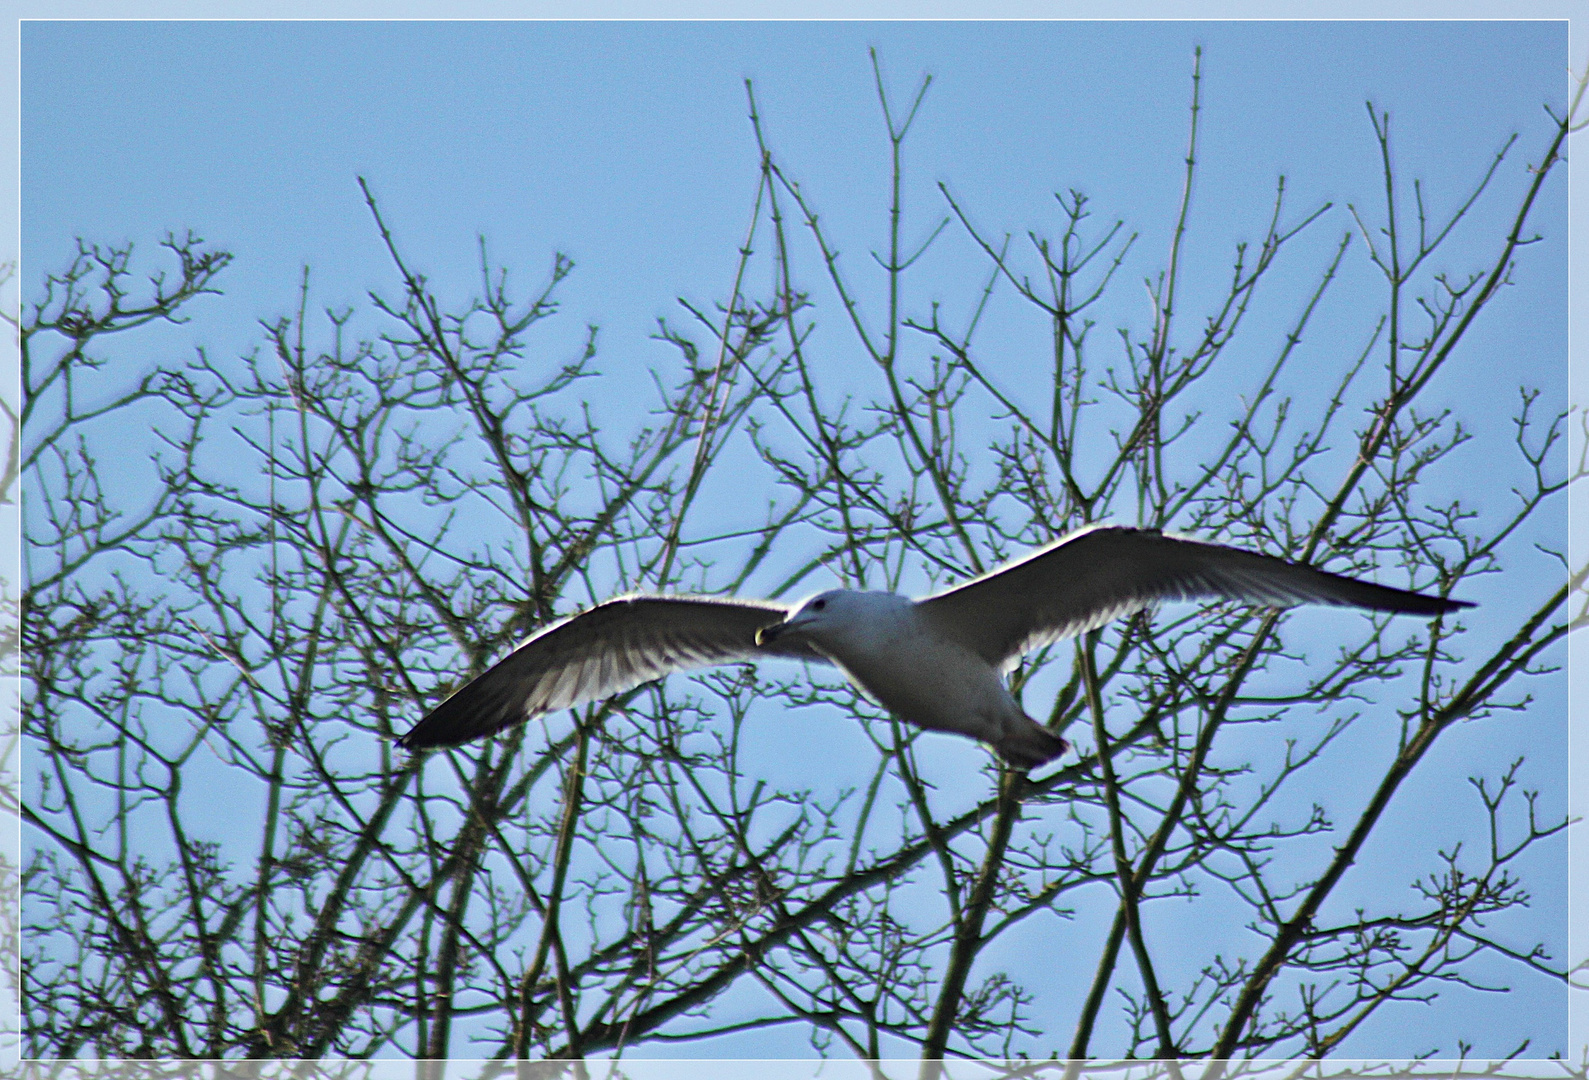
{"x":426,"y":735}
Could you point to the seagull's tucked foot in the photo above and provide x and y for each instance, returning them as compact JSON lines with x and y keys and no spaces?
{"x":1027,"y":744}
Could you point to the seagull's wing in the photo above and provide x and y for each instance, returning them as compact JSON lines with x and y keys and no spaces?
{"x":611,"y":648}
{"x":1101,"y":573}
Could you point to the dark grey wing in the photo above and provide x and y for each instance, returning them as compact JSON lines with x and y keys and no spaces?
{"x":1101,"y":573}
{"x":611,"y":648}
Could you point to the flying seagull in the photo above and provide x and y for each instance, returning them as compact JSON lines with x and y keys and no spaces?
{"x":938,"y":662}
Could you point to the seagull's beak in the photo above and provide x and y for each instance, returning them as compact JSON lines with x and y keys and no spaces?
{"x":769,"y":634}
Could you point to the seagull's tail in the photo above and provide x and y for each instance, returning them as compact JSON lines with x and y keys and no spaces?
{"x":1028,"y":744}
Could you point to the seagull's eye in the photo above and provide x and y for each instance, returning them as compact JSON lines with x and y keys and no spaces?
{"x":818,"y":605}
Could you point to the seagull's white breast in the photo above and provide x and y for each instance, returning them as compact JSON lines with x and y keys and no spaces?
{"x":891,"y":652}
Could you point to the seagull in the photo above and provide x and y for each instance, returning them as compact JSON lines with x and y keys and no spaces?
{"x":938,"y":663}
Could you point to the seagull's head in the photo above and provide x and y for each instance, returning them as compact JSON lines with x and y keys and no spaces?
{"x":830,"y":614}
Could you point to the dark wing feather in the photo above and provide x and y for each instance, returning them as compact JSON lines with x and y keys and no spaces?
{"x":611,"y":648}
{"x":1102,"y":573}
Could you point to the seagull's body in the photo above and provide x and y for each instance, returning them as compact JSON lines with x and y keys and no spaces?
{"x":893,"y":648}
{"x":938,"y":662}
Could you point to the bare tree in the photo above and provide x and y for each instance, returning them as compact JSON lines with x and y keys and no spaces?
{"x":10,"y":711}
{"x":1578,"y":580}
{"x":227,"y":856}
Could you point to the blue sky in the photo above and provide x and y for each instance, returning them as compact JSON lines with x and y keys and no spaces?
{"x":583,"y":137}
{"x":626,"y":145}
